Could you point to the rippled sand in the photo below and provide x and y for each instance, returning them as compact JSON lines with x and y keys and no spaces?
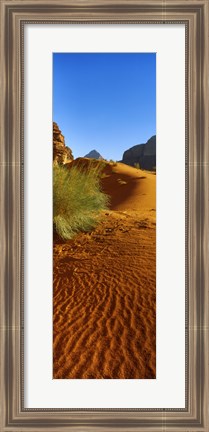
{"x":105,"y":288}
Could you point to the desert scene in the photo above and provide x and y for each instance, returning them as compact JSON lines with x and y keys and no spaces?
{"x":104,"y":215}
{"x":104,"y":292}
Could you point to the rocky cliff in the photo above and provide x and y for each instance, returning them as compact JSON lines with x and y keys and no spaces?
{"x":142,"y":154}
{"x":61,"y":153}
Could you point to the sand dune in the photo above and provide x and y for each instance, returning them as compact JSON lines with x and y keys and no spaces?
{"x":105,"y":287}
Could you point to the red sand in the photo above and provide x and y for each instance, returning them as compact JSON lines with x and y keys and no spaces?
{"x":105,"y":286}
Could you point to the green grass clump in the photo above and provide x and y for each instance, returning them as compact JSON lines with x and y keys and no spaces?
{"x":77,"y":199}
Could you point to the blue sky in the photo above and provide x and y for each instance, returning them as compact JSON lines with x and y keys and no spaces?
{"x":104,"y":101}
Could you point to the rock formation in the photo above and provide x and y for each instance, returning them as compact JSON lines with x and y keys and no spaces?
{"x":61,"y":153}
{"x":142,"y":154}
{"x":93,"y":155}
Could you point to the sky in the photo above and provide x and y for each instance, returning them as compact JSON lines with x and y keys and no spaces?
{"x":104,"y":101}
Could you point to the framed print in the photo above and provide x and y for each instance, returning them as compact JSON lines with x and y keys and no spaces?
{"x":104,"y":205}
{"x":107,"y":343}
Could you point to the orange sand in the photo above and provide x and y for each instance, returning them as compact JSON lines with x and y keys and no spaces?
{"x":105,"y":286}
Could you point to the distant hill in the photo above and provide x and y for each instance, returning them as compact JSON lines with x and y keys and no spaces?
{"x":93,"y":154}
{"x":142,"y":154}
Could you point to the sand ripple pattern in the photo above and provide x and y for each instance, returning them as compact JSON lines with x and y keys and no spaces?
{"x":105,"y":301}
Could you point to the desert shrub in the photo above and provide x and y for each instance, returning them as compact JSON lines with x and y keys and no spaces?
{"x":137,"y":165}
{"x":113,"y":163}
{"x":77,"y":199}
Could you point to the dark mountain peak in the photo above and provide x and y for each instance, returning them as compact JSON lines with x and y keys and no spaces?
{"x":93,"y":154}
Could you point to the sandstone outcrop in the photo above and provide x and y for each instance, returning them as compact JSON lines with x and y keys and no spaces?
{"x":61,"y":153}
